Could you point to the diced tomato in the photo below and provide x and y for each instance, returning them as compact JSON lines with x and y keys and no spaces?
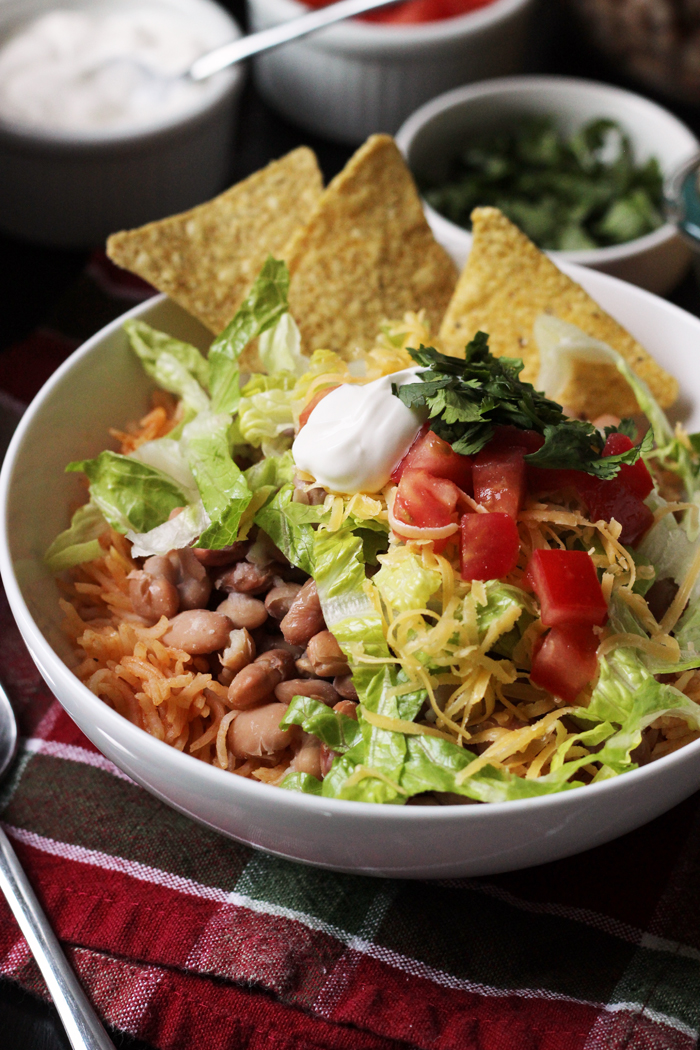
{"x":566,"y":584}
{"x":308,"y":409}
{"x":541,"y":480}
{"x":417,"y":11}
{"x":429,"y":452}
{"x":565,"y":661}
{"x":514,"y":437}
{"x":634,"y":476}
{"x":489,"y":546}
{"x":610,"y":499}
{"x":499,"y":479}
{"x":424,"y":501}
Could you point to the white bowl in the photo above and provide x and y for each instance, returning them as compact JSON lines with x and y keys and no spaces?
{"x":73,"y":190}
{"x":429,"y":137}
{"x":356,"y":78}
{"x":102,"y":385}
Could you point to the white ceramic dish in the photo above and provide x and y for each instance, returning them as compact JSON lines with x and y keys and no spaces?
{"x":73,"y":190}
{"x":102,"y":384}
{"x":356,"y":78}
{"x":429,"y":137}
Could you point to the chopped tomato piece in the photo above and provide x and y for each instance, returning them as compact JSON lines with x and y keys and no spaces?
{"x":514,"y":437}
{"x":565,"y":661}
{"x":308,"y":409}
{"x":424,"y":501}
{"x":610,"y":499}
{"x":499,"y":479}
{"x":634,"y":476}
{"x":489,"y":546}
{"x":541,"y":480}
{"x":429,"y":452}
{"x":566,"y":584}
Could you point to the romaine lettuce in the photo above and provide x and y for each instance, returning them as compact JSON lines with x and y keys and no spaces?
{"x":175,"y":366}
{"x":130,"y":494}
{"x":79,"y":542}
{"x":222,"y":486}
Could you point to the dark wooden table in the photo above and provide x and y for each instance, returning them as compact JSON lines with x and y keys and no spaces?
{"x":36,"y":279}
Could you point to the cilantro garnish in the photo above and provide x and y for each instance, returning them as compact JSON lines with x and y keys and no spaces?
{"x":467,"y":399}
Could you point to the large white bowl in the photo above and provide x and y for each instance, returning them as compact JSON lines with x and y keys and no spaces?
{"x":429,"y":137}
{"x":72,"y":189}
{"x":356,"y":78}
{"x":101,"y":385}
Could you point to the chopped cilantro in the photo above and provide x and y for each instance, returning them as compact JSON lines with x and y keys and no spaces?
{"x":467,"y":399}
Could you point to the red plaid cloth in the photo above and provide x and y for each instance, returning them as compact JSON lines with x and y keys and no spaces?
{"x":190,"y":941}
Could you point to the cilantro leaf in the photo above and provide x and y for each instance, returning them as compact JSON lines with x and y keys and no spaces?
{"x":468,"y":398}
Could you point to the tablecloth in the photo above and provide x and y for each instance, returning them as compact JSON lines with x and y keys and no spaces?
{"x":193,"y":942}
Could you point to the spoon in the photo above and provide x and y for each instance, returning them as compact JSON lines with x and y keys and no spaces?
{"x":82,"y":1025}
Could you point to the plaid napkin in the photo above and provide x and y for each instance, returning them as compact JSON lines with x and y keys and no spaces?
{"x":190,"y":941}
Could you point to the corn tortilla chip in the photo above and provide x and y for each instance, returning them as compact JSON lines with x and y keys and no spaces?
{"x":367,"y":254}
{"x":506,"y":283}
{"x":206,"y":259}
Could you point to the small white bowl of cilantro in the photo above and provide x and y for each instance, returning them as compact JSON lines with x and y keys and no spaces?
{"x":579,"y":166}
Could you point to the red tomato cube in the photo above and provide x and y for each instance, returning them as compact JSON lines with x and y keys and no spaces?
{"x":566,"y":661}
{"x":429,"y":452}
{"x":499,"y":479}
{"x":634,"y":476}
{"x":514,"y":437}
{"x":610,"y":499}
{"x":566,"y":584}
{"x":424,"y":501}
{"x":489,"y":546}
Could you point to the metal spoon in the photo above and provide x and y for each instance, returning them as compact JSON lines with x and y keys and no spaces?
{"x":82,"y":1025}
{"x":254,"y":43}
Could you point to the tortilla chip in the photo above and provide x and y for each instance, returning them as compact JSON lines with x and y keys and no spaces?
{"x":506,"y":283}
{"x":366,"y":255}
{"x":206,"y":259}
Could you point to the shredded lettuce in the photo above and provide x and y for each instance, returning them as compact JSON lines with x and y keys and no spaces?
{"x":295,"y":541}
{"x":279,"y":348}
{"x":222,"y":485}
{"x":261,"y":310}
{"x":175,"y":534}
{"x":130,"y":494}
{"x":403,"y":582}
{"x":79,"y":542}
{"x":175,"y":366}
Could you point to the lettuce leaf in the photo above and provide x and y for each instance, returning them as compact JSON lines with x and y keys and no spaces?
{"x":403,"y":582}
{"x":222,"y":485}
{"x":295,"y":541}
{"x":261,"y":310}
{"x":130,"y":494}
{"x":271,"y":472}
{"x":175,"y":366}
{"x":336,"y":730}
{"x":79,"y":542}
{"x":279,"y":348}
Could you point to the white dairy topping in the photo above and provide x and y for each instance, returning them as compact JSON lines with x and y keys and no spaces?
{"x":356,"y":435}
{"x":84,"y":70}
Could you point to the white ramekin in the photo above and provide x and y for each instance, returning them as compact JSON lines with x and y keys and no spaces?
{"x":427,"y":139}
{"x":356,"y":78}
{"x":72,"y":190}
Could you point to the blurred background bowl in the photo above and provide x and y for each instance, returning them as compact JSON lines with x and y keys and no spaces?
{"x":72,"y":189}
{"x":431,"y":137}
{"x":356,"y":78}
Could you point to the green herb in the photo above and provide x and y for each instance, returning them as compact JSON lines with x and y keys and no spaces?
{"x":467,"y":399}
{"x":575,"y":194}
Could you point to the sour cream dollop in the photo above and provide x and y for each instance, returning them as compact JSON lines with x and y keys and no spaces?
{"x":89,"y":70}
{"x":356,"y":435}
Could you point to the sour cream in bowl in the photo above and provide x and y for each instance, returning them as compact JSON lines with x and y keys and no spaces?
{"x":98,"y":130}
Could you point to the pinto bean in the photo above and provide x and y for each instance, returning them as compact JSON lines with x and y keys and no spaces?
{"x":257,"y":733}
{"x":243,"y":611}
{"x":326,"y":656}
{"x":347,"y":708}
{"x":344,"y":685}
{"x":305,"y":616}
{"x":191,"y":579}
{"x":313,"y":687}
{"x":265,"y":642}
{"x":226,"y":556}
{"x":198,"y":631}
{"x":244,"y":578}
{"x":152,"y":596}
{"x":307,"y":756}
{"x":239,"y":652}
{"x":304,"y":666}
{"x":278,"y":601}
{"x":326,"y":757}
{"x":258,"y":680}
{"x":264,"y":552}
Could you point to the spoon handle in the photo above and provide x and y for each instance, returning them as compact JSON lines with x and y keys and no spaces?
{"x":82,"y":1025}
{"x":254,"y":43}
